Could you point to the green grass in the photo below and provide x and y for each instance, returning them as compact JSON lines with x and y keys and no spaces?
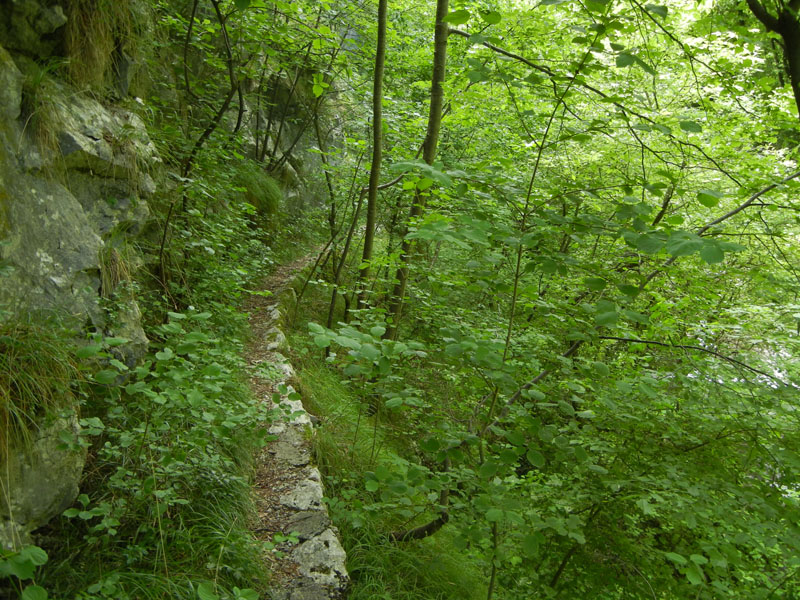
{"x":37,"y":374}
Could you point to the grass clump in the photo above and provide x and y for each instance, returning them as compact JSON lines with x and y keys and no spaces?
{"x":37,"y":374}
{"x":260,"y":190}
{"x":95,"y":29}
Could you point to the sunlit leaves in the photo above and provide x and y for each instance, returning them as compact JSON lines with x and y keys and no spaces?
{"x":691,"y":126}
{"x":458,"y":17}
{"x":709,"y":198}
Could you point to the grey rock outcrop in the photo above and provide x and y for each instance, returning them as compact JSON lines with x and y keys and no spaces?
{"x":40,"y":481}
{"x":65,"y":208}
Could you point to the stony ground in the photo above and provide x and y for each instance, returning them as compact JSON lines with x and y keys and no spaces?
{"x":287,"y":486}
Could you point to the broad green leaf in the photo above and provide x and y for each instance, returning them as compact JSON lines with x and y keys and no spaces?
{"x":494,"y":514}
{"x":647,"y":68}
{"x":530,"y":545}
{"x":34,"y":554}
{"x":370,"y":352}
{"x":606,"y":313}
{"x":662,"y":128}
{"x":657,"y":9}
{"x":676,"y":558}
{"x":694,"y":573}
{"x":492,"y":17}
{"x":316,"y":328}
{"x":87,"y":351}
{"x":624,"y":59}
{"x":34,"y":592}
{"x":242,"y":4}
{"x":709,"y":198}
{"x":691,"y":126}
{"x":596,"y":284}
{"x":601,"y":368}
{"x":165,"y":354}
{"x":535,"y":457}
{"x":205,"y":591}
{"x":649,"y":243}
{"x":683,"y":243}
{"x":711,"y":253}
{"x":458,"y":17}
{"x":106,"y":376}
{"x":322,"y":341}
{"x":488,"y":469}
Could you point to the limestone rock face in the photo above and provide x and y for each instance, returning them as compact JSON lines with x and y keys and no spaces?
{"x":67,"y":211}
{"x":29,"y":25}
{"x":39,"y":481}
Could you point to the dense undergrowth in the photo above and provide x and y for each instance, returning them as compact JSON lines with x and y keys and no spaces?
{"x":357,"y":448}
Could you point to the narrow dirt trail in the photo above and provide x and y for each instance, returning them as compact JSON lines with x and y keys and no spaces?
{"x":287,"y":486}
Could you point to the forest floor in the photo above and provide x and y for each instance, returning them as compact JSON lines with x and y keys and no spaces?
{"x":308,"y":560}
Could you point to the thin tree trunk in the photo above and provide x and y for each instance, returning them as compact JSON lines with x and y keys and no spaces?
{"x":428,"y":155}
{"x":377,"y":155}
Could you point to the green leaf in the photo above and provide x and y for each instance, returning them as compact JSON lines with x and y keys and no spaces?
{"x":535,"y":457}
{"x":676,"y":558}
{"x":34,"y":554}
{"x":372,"y":485}
{"x":242,"y":4}
{"x":488,"y":469}
{"x":106,"y":376}
{"x":370,"y":352}
{"x":19,"y":567}
{"x":694,"y":573}
{"x":691,"y":126}
{"x":657,"y":9}
{"x":709,"y":198}
{"x":317,"y":90}
{"x":647,"y":68}
{"x":494,"y":514}
{"x":34,"y":592}
{"x":683,"y":243}
{"x":316,"y":328}
{"x":607,"y":318}
{"x":205,"y":591}
{"x":377,"y":331}
{"x":711,"y":253}
{"x":596,"y":284}
{"x":530,"y":545}
{"x":624,"y":59}
{"x":492,"y":17}
{"x":87,"y":351}
{"x":322,"y":341}
{"x":649,"y":243}
{"x":165,"y":354}
{"x":580,"y":454}
{"x":458,"y":17}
